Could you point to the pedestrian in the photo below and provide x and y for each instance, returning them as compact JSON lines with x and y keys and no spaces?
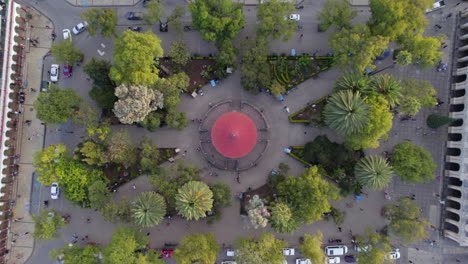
{"x":134,"y":187}
{"x":33,"y":90}
{"x":417,"y":249}
{"x":457,"y":260}
{"x":339,"y":229}
{"x":362,"y":210}
{"x":437,"y":195}
{"x":302,"y":35}
{"x":148,"y":233}
{"x":88,"y":79}
{"x":410,"y":261}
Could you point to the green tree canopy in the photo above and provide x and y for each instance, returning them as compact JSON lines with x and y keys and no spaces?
{"x":197,"y":248}
{"x":307,"y":195}
{"x":435,"y":121}
{"x":103,"y":88}
{"x":405,"y":220}
{"x":194,"y":199}
{"x":356,"y":47}
{"x":353,"y":80}
{"x":373,"y":172}
{"x":424,"y":50}
{"x":221,"y":195}
{"x":149,"y":155}
{"x":148,"y":209}
{"x":98,"y":194}
{"x":227,"y":56}
{"x":255,"y":69}
{"x":123,"y":245}
{"x":66,"y":52}
{"x":282,"y":219}
{"x":134,"y":55}
{"x":46,"y":224}
{"x":155,"y":11}
{"x":273,"y":17}
{"x":105,"y":19}
{"x":179,"y":52}
{"x":416,"y":94}
{"x":346,"y":112}
{"x":217,"y":20}
{"x":374,"y":246}
{"x":46,"y":161}
{"x":311,"y":248}
{"x":56,"y":105}
{"x":120,"y":149}
{"x":412,"y":163}
{"x":170,"y":88}
{"x":114,"y":212}
{"x":266,"y":249}
{"x":321,"y":151}
{"x":387,"y":86}
{"x":76,"y":254}
{"x":93,"y":153}
{"x":177,"y":120}
{"x":378,"y":124}
{"x":337,"y":14}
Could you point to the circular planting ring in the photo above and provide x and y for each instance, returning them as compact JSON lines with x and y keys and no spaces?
{"x":233,"y":135}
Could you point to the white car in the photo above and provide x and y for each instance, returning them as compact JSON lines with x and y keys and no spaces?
{"x":295,"y":17}
{"x":80,"y":28}
{"x":337,"y":250}
{"x":66,"y":34}
{"x":231,"y":252}
{"x":393,"y":255}
{"x":436,"y":6}
{"x":54,"y":72}
{"x":228,"y":262}
{"x":362,"y":248}
{"x":332,"y":260}
{"x":54,"y":191}
{"x":303,"y":261}
{"x":288,"y":251}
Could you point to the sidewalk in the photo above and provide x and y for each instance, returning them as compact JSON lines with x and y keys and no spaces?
{"x":30,"y":139}
{"x":103,"y":2}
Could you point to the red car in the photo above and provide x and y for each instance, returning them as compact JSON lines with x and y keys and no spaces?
{"x":166,"y":253}
{"x":67,"y":70}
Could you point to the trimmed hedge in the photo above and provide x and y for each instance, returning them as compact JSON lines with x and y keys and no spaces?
{"x":298,"y":158}
{"x":303,"y":109}
{"x":436,"y":121}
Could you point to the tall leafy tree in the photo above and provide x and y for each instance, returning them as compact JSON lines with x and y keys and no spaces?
{"x":77,"y":255}
{"x":217,"y":20}
{"x":98,"y":194}
{"x":352,"y":80}
{"x":274,"y":20}
{"x":424,"y":50}
{"x":66,"y":52}
{"x":416,"y":94}
{"x":148,"y":209}
{"x":155,"y":11}
{"x":46,"y":224}
{"x":120,"y":149}
{"x":170,"y":88}
{"x":134,"y":55}
{"x":356,"y":47}
{"x":227,"y":56}
{"x":174,"y":19}
{"x":104,"y":19}
{"x":255,"y":69}
{"x":346,"y":112}
{"x":149,"y":155}
{"x":177,"y":120}
{"x":93,"y":153}
{"x":310,"y":248}
{"x":266,"y":249}
{"x":221,"y":195}
{"x":337,"y":14}
{"x":378,"y":124}
{"x":373,"y":172}
{"x":123,"y":246}
{"x":197,"y":248}
{"x":179,"y":52}
{"x":282,"y":219}
{"x":374,"y":246}
{"x":56,"y":105}
{"x":194,"y":200}
{"x":386,"y":85}
{"x":413,"y":163}
{"x":46,"y":162}
{"x":103,"y":88}
{"x":307,"y":195}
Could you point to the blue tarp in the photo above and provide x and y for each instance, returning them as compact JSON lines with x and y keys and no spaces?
{"x":281,"y":97}
{"x":293,"y":52}
{"x":368,"y":70}
{"x":213,"y":83}
{"x":358,"y":198}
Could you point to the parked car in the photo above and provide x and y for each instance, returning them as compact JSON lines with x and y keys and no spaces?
{"x":134,"y":15}
{"x":45,"y":86}
{"x":228,"y":262}
{"x":288,"y":251}
{"x":231,"y":252}
{"x":54,"y":191}
{"x":163,"y":26}
{"x":393,"y":255}
{"x":80,"y":28}
{"x":67,"y":70}
{"x":67,"y":34}
{"x":436,"y":6}
{"x":337,"y":250}
{"x":332,"y":260}
{"x":54,"y":72}
{"x":360,"y":248}
{"x":350,"y":259}
{"x":295,"y":17}
{"x":145,"y":2}
{"x":166,"y":253}
{"x":303,"y":261}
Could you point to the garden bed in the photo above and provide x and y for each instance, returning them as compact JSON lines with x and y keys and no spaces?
{"x":292,"y":70}
{"x":264,"y":192}
{"x":200,"y":70}
{"x":312,"y":113}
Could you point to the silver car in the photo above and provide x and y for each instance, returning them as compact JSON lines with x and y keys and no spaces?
{"x":80,"y":28}
{"x":54,"y":72}
{"x":54,"y":191}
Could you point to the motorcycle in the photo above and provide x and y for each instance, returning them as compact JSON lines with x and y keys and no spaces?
{"x":187,"y":28}
{"x":136,"y":29}
{"x":300,"y":7}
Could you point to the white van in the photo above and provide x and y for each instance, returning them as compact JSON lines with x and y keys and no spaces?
{"x":337,"y":250}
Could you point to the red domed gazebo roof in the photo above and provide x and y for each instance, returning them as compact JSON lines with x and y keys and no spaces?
{"x":234,"y":135}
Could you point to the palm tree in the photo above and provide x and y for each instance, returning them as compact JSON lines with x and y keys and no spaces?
{"x":148,"y":209}
{"x":352,"y":80}
{"x":194,"y":200}
{"x":373,"y":172}
{"x":386,"y":85}
{"x":346,"y":112}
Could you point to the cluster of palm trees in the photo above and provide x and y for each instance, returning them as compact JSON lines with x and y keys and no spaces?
{"x":193,"y":201}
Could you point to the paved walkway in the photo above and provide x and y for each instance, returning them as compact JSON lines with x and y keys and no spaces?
{"x":30,"y":140}
{"x":103,"y":2}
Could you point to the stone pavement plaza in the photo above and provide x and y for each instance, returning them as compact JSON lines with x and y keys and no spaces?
{"x":282,"y":134}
